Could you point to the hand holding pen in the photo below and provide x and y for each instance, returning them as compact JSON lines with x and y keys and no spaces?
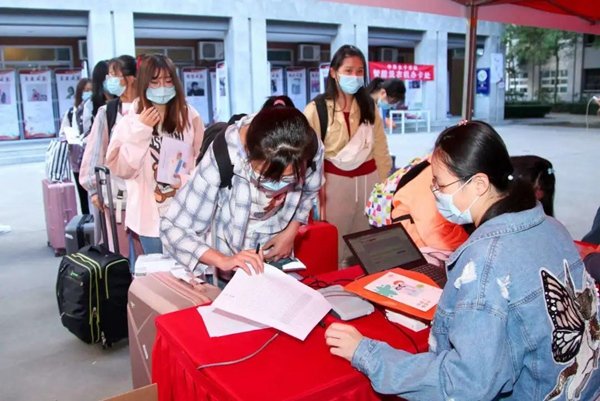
{"x":246,"y":260}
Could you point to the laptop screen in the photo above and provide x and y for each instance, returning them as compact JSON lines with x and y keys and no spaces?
{"x":384,"y":248}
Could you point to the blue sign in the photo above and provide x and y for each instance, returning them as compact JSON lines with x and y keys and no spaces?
{"x":483,"y":81}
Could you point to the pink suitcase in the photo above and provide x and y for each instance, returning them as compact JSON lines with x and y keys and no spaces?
{"x":150,"y":296}
{"x":60,"y":206}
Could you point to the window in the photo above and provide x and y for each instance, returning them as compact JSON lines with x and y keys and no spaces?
{"x":591,"y":79}
{"x":589,"y":40}
{"x":181,"y":55}
{"x":562,"y":89}
{"x":36,"y":54}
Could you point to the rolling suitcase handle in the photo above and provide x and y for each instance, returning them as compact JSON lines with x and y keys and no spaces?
{"x":103,"y":179}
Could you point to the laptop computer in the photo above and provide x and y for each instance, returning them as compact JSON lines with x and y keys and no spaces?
{"x":385,"y":248}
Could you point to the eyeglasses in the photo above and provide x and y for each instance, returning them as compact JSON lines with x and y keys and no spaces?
{"x":436,"y":187}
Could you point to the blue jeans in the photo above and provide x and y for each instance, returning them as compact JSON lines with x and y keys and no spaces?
{"x":151,"y":244}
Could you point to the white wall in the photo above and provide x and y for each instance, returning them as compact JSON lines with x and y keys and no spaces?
{"x":111,"y":33}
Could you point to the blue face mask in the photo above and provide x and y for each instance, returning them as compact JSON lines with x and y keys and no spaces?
{"x":448,"y":210}
{"x":350,"y":84}
{"x":161,"y":95}
{"x":384,"y":105}
{"x":85,"y":95}
{"x":272,"y":188}
{"x":114,"y":87}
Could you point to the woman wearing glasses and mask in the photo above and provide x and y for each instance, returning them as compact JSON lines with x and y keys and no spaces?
{"x":276,"y":158}
{"x":518,"y":318}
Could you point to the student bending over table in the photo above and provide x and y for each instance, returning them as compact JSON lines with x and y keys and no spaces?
{"x":518,"y":318}
{"x":277,"y":172}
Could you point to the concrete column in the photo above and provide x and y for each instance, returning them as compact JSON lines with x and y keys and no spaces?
{"x":124,"y":33}
{"x":345,"y":36}
{"x":361,"y":39}
{"x":100,"y":39}
{"x":237,"y":58}
{"x":433,"y":49}
{"x":490,"y":107}
{"x":260,"y":81}
{"x":482,"y":103}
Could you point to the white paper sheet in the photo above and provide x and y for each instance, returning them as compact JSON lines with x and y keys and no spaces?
{"x":219,"y":323}
{"x":275,"y":299}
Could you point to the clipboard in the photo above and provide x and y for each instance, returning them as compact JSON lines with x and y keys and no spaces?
{"x":358,"y":288}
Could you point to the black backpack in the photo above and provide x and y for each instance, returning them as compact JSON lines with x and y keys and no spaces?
{"x":215,"y":134}
{"x":112,"y":108}
{"x":322,"y":113}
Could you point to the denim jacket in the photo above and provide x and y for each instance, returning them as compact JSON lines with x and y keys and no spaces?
{"x":518,"y":320}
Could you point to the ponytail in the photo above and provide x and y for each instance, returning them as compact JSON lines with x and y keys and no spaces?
{"x":518,"y":196}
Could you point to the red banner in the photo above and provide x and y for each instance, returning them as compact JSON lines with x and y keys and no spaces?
{"x":412,"y":72}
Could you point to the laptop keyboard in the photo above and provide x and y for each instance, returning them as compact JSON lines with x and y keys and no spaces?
{"x":436,"y":273}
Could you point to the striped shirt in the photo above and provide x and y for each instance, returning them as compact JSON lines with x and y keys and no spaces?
{"x":203,"y":216}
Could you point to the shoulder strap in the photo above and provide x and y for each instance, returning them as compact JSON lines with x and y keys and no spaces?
{"x":70,"y":115}
{"x":223,"y":160}
{"x":112,"y":108}
{"x":322,"y":113}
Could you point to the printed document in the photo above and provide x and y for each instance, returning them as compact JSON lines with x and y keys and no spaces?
{"x":219,"y":323}
{"x":406,"y":291}
{"x":175,"y":158}
{"x":274,"y":299}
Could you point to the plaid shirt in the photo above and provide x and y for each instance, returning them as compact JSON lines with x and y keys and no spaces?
{"x":203,"y":216}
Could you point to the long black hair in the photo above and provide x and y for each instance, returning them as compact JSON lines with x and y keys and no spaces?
{"x":365,"y":102}
{"x":281,"y":136}
{"x":540,"y":173}
{"x":98,"y":77}
{"x":394,"y":88}
{"x":79,"y":90}
{"x":475,"y":147}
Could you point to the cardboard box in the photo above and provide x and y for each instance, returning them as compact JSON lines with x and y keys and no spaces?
{"x":146,"y":393}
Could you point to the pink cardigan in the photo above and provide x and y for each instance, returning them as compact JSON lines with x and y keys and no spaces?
{"x":129,"y":157}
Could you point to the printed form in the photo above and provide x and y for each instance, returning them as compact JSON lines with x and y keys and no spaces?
{"x":275,"y":299}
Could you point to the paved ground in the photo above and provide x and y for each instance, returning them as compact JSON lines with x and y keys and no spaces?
{"x":40,"y":360}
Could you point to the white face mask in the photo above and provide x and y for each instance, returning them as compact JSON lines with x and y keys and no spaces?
{"x":447,"y":208}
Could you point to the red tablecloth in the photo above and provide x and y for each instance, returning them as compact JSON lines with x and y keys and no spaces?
{"x":287,"y":369}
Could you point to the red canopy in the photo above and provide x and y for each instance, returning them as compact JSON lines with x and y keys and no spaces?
{"x":569,"y":15}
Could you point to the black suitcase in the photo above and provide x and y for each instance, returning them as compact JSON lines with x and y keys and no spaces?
{"x":79,"y":232}
{"x":92,"y":286}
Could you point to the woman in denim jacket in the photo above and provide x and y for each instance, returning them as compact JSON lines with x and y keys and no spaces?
{"x":518,"y":319}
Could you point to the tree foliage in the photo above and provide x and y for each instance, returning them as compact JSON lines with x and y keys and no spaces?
{"x":536,"y":46}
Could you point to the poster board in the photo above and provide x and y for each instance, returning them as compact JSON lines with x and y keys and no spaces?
{"x":9,"y":113}
{"x":38,"y":111}
{"x":277,"y":88}
{"x":66,"y":84}
{"x":213,"y":94}
{"x":323,"y":74}
{"x":314,"y":87}
{"x":296,"y":86}
{"x":222,"y":88}
{"x":195,"y":84}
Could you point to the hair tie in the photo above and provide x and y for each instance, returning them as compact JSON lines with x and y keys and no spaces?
{"x":510,"y":177}
{"x":550,"y":171}
{"x":279,"y":102}
{"x":462,"y":122}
